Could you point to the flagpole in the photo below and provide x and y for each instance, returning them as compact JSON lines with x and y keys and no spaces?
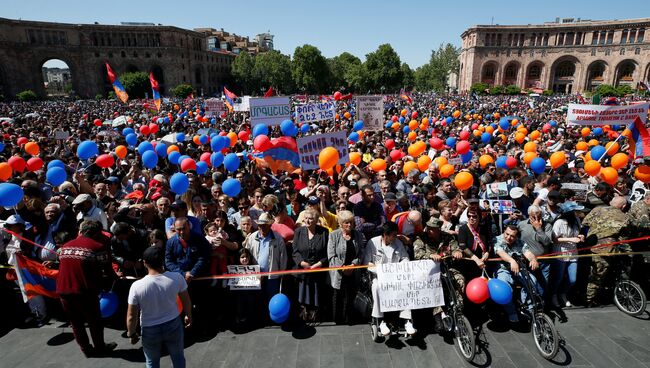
{"x":610,"y":146}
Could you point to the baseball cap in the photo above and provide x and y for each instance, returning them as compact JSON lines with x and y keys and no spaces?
{"x":265,"y":219}
{"x":112,"y":180}
{"x":434,"y":223}
{"x":390,"y":197}
{"x":554,"y":181}
{"x":554,"y":194}
{"x":154,"y":256}
{"x":313,"y":200}
{"x":15,"y":220}
{"x":81,"y":198}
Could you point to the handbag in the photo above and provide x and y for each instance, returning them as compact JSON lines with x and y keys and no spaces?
{"x":363,"y":304}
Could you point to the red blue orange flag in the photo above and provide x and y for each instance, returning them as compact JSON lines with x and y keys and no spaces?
{"x":405,"y":96}
{"x":155,"y":88}
{"x":34,"y":278}
{"x":230,"y":98}
{"x":120,"y":92}
{"x":638,"y":139}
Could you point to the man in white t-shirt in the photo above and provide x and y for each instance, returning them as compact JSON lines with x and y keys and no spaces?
{"x":154,"y":299}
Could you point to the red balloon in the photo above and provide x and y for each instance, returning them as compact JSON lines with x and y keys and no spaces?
{"x":223,"y":134}
{"x":97,"y":122}
{"x":395,"y":155}
{"x":414,"y":115}
{"x":153,"y":128}
{"x":22,"y":140}
{"x":188,"y":164}
{"x":436,"y":143}
{"x":34,"y":164}
{"x":394,"y":119}
{"x":390,"y":144}
{"x":261,"y":143}
{"x":511,"y":162}
{"x":17,"y":163}
{"x":144,"y":130}
{"x":104,"y":161}
{"x":464,"y":135}
{"x":243,"y":135}
{"x":546,"y":127}
{"x":116,"y":114}
{"x":337,"y":95}
{"x":477,"y":290}
{"x":474,"y":126}
{"x":205,"y":157}
{"x":463,"y":147}
{"x":155,"y":119}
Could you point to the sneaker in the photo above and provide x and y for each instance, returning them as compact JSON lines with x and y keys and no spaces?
{"x":383,"y":329}
{"x":408,"y":326}
{"x":563,"y":300}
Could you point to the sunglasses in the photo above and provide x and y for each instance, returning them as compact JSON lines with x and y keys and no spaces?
{"x":472,"y":216}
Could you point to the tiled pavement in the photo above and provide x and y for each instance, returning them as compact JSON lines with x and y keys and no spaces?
{"x":594,"y":338}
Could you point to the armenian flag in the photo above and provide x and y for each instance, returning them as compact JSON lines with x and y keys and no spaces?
{"x":155,"y":88}
{"x":405,"y":96}
{"x":120,"y":92}
{"x":34,"y":278}
{"x":282,"y":156}
{"x":269,"y":93}
{"x":230,"y":98}
{"x":638,"y":139}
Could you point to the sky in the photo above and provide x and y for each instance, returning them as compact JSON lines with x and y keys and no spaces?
{"x":413,"y":28}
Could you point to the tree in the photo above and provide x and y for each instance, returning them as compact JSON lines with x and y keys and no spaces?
{"x":497,"y":90}
{"x":309,"y":69}
{"x":547,"y":92}
{"x":383,"y":69}
{"x":624,"y":89}
{"x":513,"y":90}
{"x":27,"y":95}
{"x":182,"y":90}
{"x":357,"y":78}
{"x":243,"y":70}
{"x":99,"y":97}
{"x":136,"y":84}
{"x":607,"y":90}
{"x":408,"y":77}
{"x":479,"y":88}
{"x":435,"y":74}
{"x":344,"y":71}
{"x":274,"y":69}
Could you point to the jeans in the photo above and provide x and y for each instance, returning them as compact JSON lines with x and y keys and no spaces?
{"x":506,"y":275}
{"x":168,"y":334}
{"x":560,"y":268}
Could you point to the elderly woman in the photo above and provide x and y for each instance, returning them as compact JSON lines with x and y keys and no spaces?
{"x":310,"y":252}
{"x":344,"y":248}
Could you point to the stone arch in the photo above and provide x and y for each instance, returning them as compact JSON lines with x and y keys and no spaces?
{"x":596,"y":74}
{"x":489,"y":72}
{"x":198,"y":76}
{"x":533,"y":77}
{"x":625,"y":73}
{"x":58,"y":81}
{"x":511,"y":73}
{"x":646,"y":79}
{"x":564,"y":74}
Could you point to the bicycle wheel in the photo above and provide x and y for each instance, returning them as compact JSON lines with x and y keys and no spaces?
{"x":374,"y":333}
{"x":465,"y":338}
{"x":629,"y":298}
{"x":545,"y":336}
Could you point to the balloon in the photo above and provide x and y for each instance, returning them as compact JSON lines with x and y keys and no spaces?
{"x":131,"y":139}
{"x":592,"y":167}
{"x":466,"y":157}
{"x":104,"y":161}
{"x":378,"y":164}
{"x":179,"y":183}
{"x":149,"y":159}
{"x":477,"y":290}
{"x":279,"y":305}
{"x":411,"y":136}
{"x":396,"y":155}
{"x":463,"y":135}
{"x":108,"y":303}
{"x":327,"y":158}
{"x":520,"y":137}
{"x":5,"y":171}
{"x":153,"y":128}
{"x":486,"y":137}
{"x":231,"y":187}
{"x":558,"y":159}
{"x":55,"y":163}
{"x":56,"y":176}
{"x":201,"y":167}
{"x":406,"y":130}
{"x":260,"y":129}
{"x":585,"y":132}
{"x":597,"y":152}
{"x":416,"y":149}
{"x":530,"y":147}
{"x":188,"y":164}
{"x":538,"y":165}
{"x":120,"y":151}
{"x":243,"y":135}
{"x":408,"y":166}
{"x":173,"y":157}
{"x":22,"y":140}
{"x":485,"y":160}
{"x":414,"y":115}
{"x":97,"y":122}
{"x":337,"y":95}
{"x":196,"y":140}
{"x":355,"y":158}
{"x":504,"y":124}
{"x":463,"y":180}
{"x":161,"y":149}
{"x":232,"y":139}
{"x":500,"y":291}
{"x":87,"y":149}
{"x":231,"y":162}
{"x":501,"y":162}
{"x":358,"y":125}
{"x":32,"y":148}
{"x":17,"y":163}
{"x":598,"y":132}
{"x":353,"y":137}
{"x":593,"y":142}
{"x":203,"y":139}
{"x":2,"y":146}
{"x":217,"y":144}
{"x":582,"y":146}
{"x":436,"y":143}
{"x":180,"y":137}
{"x":528,"y":157}
{"x":450,"y":142}
{"x":609,"y":175}
{"x":463,"y":147}
{"x":511,"y":162}
{"x":446,"y":171}
{"x":403,"y":112}
{"x":612,"y":148}
{"x":440,"y":161}
{"x":216,"y":159}
{"x":423,"y":163}
{"x":127,"y":131}
{"x":144,"y":147}
{"x":305,"y":128}
{"x":390,"y":144}
{"x":619,"y":161}
{"x":642,"y":173}
{"x":413,"y":124}
{"x":288,"y":128}
{"x":173,"y":148}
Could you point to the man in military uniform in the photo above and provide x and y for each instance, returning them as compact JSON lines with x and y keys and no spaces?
{"x":640,"y":215}
{"x":434,"y":244}
{"x":606,"y":225}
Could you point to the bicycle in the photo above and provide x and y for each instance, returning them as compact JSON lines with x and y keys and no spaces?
{"x":455,"y":320}
{"x":629,"y":297}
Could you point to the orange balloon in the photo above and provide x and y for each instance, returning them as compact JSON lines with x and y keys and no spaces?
{"x":609,"y":175}
{"x":173,"y":148}
{"x":530,"y":147}
{"x":327,"y":158}
{"x":489,"y":129}
{"x":408,"y":166}
{"x":593,"y":142}
{"x":522,"y":129}
{"x":196,"y":140}
{"x":413,"y":124}
{"x":481,"y":128}
{"x":585,"y":132}
{"x":582,"y":146}
{"x":456,"y":114}
{"x":642,"y":173}
{"x":233,"y":138}
{"x":440,"y":161}
{"x":423,"y":162}
{"x":361,"y":134}
{"x":121,"y":152}
{"x":611,"y":148}
{"x":485,"y":160}
{"x":412,"y":135}
{"x":403,"y":112}
{"x":619,"y":161}
{"x":475,"y":116}
{"x":32,"y":148}
{"x":535,"y":134}
{"x":503,"y":137}
{"x":446,"y":171}
{"x":395,"y":126}
{"x":355,"y":158}
{"x":529,"y":156}
{"x":592,"y":167}
{"x":468,"y":117}
{"x":514,"y":122}
{"x":463,"y":180}
{"x":496,"y":115}
{"x":416,"y":149}
{"x":425,"y":121}
{"x":378,"y":164}
{"x":337,"y":117}
{"x":441,"y":107}
{"x":519,"y":137}
{"x":587,"y":156}
{"x":557,"y":159}
{"x":5,"y":171}
{"x":476,"y":133}
{"x":346,"y":115}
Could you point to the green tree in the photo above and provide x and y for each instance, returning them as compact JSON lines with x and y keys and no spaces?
{"x":435,"y":74}
{"x":309,"y":69}
{"x":497,"y":90}
{"x":136,"y":84}
{"x":623,"y":90}
{"x":547,"y":92}
{"x":274,"y":69}
{"x":383,"y":69}
{"x":99,"y":97}
{"x":606,"y":90}
{"x":408,"y":76}
{"x":357,"y":78}
{"x":512,"y":90}
{"x":243,"y":70}
{"x":182,"y":90}
{"x":343,"y":71}
{"x":479,"y":88}
{"x":27,"y":95}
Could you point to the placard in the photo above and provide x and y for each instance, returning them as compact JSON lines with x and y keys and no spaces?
{"x":409,"y":285}
{"x":580,"y":191}
{"x":270,"y":110}
{"x":578,"y":114}
{"x":638,"y":191}
{"x":314,"y":112}
{"x":246,"y":282}
{"x":242,"y":104}
{"x":61,"y":135}
{"x":370,"y":110}
{"x":495,"y":190}
{"x":214,"y":107}
{"x":498,"y":206}
{"x":455,"y":161}
{"x":309,"y":148}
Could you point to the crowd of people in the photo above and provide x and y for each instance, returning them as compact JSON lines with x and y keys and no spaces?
{"x":122,"y":228}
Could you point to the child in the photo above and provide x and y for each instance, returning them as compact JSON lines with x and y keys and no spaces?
{"x":219,"y":253}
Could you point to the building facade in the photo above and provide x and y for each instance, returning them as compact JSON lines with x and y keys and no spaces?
{"x":566,"y":56}
{"x":173,"y":54}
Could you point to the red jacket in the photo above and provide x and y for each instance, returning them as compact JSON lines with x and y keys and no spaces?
{"x":83,"y":262}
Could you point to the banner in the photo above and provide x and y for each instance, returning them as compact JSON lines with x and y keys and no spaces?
{"x":370,"y":110}
{"x":214,"y":107}
{"x":244,"y":283}
{"x":270,"y":111}
{"x":409,"y":285}
{"x":242,"y":104}
{"x":314,"y":112}
{"x":499,"y":189}
{"x":580,"y":191}
{"x":309,"y":148}
{"x":498,"y":206}
{"x":579,"y":114}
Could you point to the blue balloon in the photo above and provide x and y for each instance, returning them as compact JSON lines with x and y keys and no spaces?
{"x":597,"y":152}
{"x":10,"y":194}
{"x":131,"y":139}
{"x":213,"y":121}
{"x":494,"y":126}
{"x":166,"y":120}
{"x":406,"y":129}
{"x":504,"y":124}
{"x":279,"y":319}
{"x":231,"y":162}
{"x":279,"y":305}
{"x":55,"y":163}
{"x":203,"y":139}
{"x":108,"y":303}
{"x":538,"y":165}
{"x":389,"y":124}
{"x":144,"y":147}
{"x":288,"y":128}
{"x":179,"y":183}
{"x":182,"y":158}
{"x":401,"y":120}
{"x":553,"y":123}
{"x":358,"y":125}
{"x":260,"y":129}
{"x":180,"y":137}
{"x":451,"y":142}
{"x":56,"y":175}
{"x":466,"y":157}
{"x":597,"y":131}
{"x":449,"y":120}
{"x":87,"y":149}
{"x":501,"y":162}
{"x":354,"y":137}
{"x":149,"y":159}
{"x":500,"y":291}
{"x":231,"y":187}
{"x":173,"y":157}
{"x":127,"y":131}
{"x":304,"y":129}
{"x":201,"y":167}
{"x":485,"y":138}
{"x":216,"y":159}
{"x":616,"y":127}
{"x":217,"y":144}
{"x":2,"y":147}
{"x":161,"y":149}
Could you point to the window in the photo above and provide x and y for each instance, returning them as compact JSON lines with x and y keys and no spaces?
{"x":608,"y":52}
{"x":622,"y":52}
{"x":560,"y":39}
{"x":601,"y":37}
{"x":626,"y":72}
{"x":570,"y":39}
{"x":610,"y":37}
{"x":594,"y":38}
{"x":499,"y":40}
{"x":640,"y":35}
{"x":488,"y":72}
{"x":97,"y":54}
{"x":637,"y":51}
{"x":565,"y":70}
{"x":534,"y":72}
{"x":511,"y":72}
{"x":624,"y":37}
{"x":593,"y":52}
{"x":546,"y":36}
{"x":123,"y":54}
{"x":632,"y":36}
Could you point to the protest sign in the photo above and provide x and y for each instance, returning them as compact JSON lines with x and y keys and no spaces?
{"x":370,"y":110}
{"x":214,"y":107}
{"x":497,"y":206}
{"x":314,"y":112}
{"x":604,"y":114}
{"x":309,"y":148}
{"x":242,"y":104}
{"x":579,"y":190}
{"x":455,"y":161}
{"x":638,"y":191}
{"x":499,"y":189}
{"x":409,"y":285}
{"x":61,"y":135}
{"x":270,"y":110}
{"x":244,"y":283}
